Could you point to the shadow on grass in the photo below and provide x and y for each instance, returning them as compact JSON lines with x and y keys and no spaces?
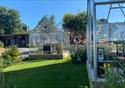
{"x":62,"y":75}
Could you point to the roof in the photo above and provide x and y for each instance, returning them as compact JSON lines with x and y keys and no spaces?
{"x":15,"y":34}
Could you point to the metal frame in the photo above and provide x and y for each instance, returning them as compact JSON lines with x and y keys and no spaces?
{"x":119,"y":7}
{"x":109,"y":2}
{"x":94,"y":40}
{"x":91,"y":29}
{"x":38,"y":40}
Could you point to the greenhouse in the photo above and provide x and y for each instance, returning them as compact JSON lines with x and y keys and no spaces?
{"x":105,"y":40}
{"x":48,"y":44}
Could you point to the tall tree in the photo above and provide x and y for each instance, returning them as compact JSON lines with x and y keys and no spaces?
{"x":80,"y":22}
{"x":46,"y":25}
{"x":75,"y":22}
{"x":9,"y":21}
{"x":69,"y":22}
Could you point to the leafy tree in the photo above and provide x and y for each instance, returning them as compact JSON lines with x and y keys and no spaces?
{"x":80,"y":22}
{"x":75,"y":22}
{"x":69,"y":22}
{"x":24,"y":27}
{"x":9,"y":21}
{"x":76,"y":25}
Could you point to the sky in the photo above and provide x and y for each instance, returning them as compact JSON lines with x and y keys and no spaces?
{"x":31,"y":11}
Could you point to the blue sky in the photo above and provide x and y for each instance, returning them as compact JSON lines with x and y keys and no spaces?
{"x":32,"y":10}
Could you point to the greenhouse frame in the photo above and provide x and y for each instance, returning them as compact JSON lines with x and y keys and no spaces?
{"x":105,"y":41}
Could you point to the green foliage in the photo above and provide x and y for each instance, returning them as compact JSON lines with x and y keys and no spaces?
{"x":75,"y":22}
{"x":68,"y":22}
{"x":1,"y":44}
{"x":2,"y":79}
{"x":9,"y":21}
{"x":79,"y":55}
{"x":114,"y":78}
{"x":59,"y":48}
{"x":80,"y":22}
{"x":14,"y":53}
{"x":102,"y":21}
{"x":5,"y":83}
{"x":7,"y":60}
{"x":11,"y":56}
{"x":46,"y":25}
{"x":23,"y":28}
{"x":1,"y":74}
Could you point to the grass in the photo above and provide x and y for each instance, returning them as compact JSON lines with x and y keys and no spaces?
{"x":47,"y":74}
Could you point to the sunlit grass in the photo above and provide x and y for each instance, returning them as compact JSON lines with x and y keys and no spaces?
{"x":48,"y":74}
{"x":32,"y":64}
{"x":36,"y":63}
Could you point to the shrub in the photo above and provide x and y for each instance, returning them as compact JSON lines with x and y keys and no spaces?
{"x":115,"y":79}
{"x":6,"y":59}
{"x":11,"y":56}
{"x":79,"y":55}
{"x":59,"y":48}
{"x":1,"y":44}
{"x":14,"y":53}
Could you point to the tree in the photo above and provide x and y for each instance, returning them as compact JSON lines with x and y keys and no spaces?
{"x":46,"y":25}
{"x":102,"y":20}
{"x":76,"y":25}
{"x":9,"y":21}
{"x":75,"y":22}
{"x":23,"y":27}
{"x":80,"y":22}
{"x":68,"y":22}
{"x":52,"y":23}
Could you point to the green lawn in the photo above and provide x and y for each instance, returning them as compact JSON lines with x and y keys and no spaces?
{"x":47,"y":74}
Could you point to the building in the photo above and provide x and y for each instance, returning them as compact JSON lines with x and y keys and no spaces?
{"x":19,"y":39}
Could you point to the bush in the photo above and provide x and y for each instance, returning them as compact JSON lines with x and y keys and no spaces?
{"x":115,"y":77}
{"x":6,"y":59}
{"x":14,"y":53}
{"x":115,"y":80}
{"x":79,"y":56}
{"x":11,"y":56}
{"x":59,"y":48}
{"x":1,"y":44}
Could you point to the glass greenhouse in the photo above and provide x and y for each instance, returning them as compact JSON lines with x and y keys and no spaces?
{"x":52,"y":43}
{"x":105,"y":40}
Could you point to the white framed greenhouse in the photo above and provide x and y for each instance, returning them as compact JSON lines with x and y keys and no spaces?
{"x":48,"y":45}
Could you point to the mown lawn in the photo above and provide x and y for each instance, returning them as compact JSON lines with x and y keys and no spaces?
{"x":47,"y":74}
